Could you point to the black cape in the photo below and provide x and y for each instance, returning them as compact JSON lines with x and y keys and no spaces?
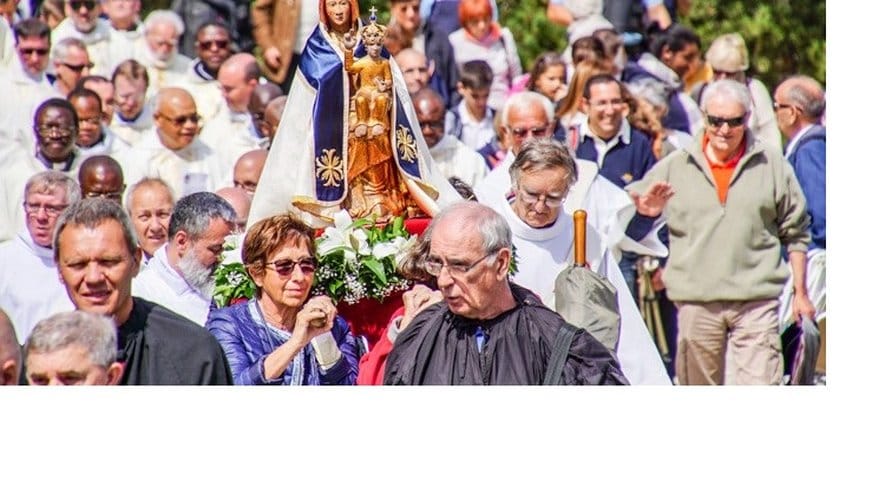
{"x":160,"y":347}
{"x":439,"y":348}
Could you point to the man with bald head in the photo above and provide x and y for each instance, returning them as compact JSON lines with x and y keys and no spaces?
{"x":174,"y":152}
{"x":230,"y":131}
{"x":261,"y":97}
{"x":248,"y":169}
{"x":273,"y":114}
{"x":799,"y":106}
{"x":451,"y":156}
{"x":417,"y":70}
{"x":241,"y":203}
{"x":101,"y":176}
{"x":10,"y":352}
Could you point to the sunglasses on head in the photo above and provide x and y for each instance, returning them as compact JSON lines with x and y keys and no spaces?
{"x":220,"y":44}
{"x":79,"y":4}
{"x":718,"y":121}
{"x":285,"y":267}
{"x":29,"y":51}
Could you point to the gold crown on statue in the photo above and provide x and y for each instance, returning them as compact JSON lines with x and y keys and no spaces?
{"x":373,"y":33}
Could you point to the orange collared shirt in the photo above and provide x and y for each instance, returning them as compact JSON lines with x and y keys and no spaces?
{"x":722,"y":172}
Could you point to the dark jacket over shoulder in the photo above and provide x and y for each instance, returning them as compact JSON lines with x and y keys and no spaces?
{"x":440,"y":348}
{"x":160,"y":347}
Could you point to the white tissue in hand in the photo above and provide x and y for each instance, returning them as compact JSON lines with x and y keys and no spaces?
{"x":326,"y":350}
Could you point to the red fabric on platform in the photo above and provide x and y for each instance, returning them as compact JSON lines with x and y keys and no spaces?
{"x":417,"y":225}
{"x":369,"y":317}
{"x":371,"y":369}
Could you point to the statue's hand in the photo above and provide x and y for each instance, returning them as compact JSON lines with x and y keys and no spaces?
{"x":349,"y":40}
{"x":382,"y":84}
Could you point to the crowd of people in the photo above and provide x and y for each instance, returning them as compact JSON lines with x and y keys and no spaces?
{"x":132,"y":148}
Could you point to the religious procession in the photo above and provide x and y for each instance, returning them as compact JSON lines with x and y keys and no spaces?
{"x":411,"y":192}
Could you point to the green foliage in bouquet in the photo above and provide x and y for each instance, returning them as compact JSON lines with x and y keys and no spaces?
{"x":231,"y":279}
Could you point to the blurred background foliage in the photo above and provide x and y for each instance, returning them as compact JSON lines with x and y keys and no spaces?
{"x":783,"y":36}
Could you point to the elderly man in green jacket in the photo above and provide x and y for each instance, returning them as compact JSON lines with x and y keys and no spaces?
{"x":737,"y":203}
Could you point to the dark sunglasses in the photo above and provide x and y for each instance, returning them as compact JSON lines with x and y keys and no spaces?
{"x":79,"y":4}
{"x":29,"y":51}
{"x":285,"y":267}
{"x":181,"y":120}
{"x":718,"y":121}
{"x":77,"y":68}
{"x":220,"y":44}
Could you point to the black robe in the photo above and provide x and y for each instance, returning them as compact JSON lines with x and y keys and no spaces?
{"x":160,"y":347}
{"x":439,"y":347}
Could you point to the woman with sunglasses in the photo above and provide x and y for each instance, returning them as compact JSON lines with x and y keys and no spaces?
{"x":283,"y":336}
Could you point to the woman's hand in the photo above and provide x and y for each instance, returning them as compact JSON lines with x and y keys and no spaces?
{"x":316,"y":316}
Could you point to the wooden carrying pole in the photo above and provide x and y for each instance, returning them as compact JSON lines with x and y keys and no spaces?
{"x":580,"y":237}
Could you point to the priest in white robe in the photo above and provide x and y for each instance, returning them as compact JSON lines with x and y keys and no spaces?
{"x":85,"y":25}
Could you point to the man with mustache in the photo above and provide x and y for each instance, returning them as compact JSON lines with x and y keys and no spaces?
{"x":180,"y":276}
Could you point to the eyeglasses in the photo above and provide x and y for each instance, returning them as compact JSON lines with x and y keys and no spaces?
{"x":718,"y":121}
{"x":284,"y":267}
{"x":50,"y":130}
{"x":219,"y":44}
{"x":115,"y":195}
{"x":436,"y":125}
{"x":779,"y":105}
{"x":77,"y":68}
{"x":181,"y":120}
{"x":521,"y":133}
{"x":51,"y":210}
{"x":434,"y":265}
{"x":170,"y":44}
{"x":725,"y":74}
{"x":79,"y":4}
{"x":26,"y":51}
{"x":550,"y":201}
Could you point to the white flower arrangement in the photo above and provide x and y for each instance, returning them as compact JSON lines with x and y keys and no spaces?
{"x":357,"y":259}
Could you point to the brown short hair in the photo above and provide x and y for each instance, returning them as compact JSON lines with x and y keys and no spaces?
{"x":133,"y":71}
{"x":268,"y":235}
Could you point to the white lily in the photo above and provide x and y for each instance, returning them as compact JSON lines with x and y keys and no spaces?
{"x":344,"y":235}
{"x":234,"y":254}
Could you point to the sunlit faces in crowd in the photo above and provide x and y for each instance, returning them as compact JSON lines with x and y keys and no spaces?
{"x":150,"y":204}
{"x":87,"y":104}
{"x":56,"y":128}
{"x":213,"y":46}
{"x":43,"y":205}
{"x":83,"y":13}
{"x":33,"y":53}
{"x":122,"y":14}
{"x":415,"y":68}
{"x":605,"y":106}
{"x":176,"y":118}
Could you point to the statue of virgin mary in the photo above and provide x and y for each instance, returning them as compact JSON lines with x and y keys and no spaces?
{"x":318,"y":165}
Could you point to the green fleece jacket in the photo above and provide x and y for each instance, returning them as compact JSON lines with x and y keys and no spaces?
{"x":731,"y":251}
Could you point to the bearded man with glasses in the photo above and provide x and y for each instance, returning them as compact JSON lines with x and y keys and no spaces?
{"x":486,"y":330}
{"x":737,"y":204}
{"x":83,"y":23}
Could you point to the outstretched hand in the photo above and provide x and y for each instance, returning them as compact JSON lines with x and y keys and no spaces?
{"x":655,"y":198}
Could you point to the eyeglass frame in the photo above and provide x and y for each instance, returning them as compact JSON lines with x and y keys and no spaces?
{"x":520,"y":133}
{"x":457,"y":271}
{"x":181,"y":120}
{"x":533,"y":199}
{"x":717,"y":121}
{"x":46,"y":130}
{"x":77,"y":68}
{"x":275,"y":265}
{"x":208,"y":44}
{"x":51,"y":210}
{"x":82,"y":3}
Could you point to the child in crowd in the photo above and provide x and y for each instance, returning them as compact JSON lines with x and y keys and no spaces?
{"x":548,"y":76}
{"x":473,"y":120}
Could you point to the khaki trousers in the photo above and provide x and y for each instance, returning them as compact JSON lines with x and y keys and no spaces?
{"x":729,"y":343}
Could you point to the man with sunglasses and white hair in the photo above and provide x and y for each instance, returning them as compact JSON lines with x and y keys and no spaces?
{"x":180,"y":277}
{"x":83,"y":23}
{"x":487,"y":330}
{"x":737,"y":203}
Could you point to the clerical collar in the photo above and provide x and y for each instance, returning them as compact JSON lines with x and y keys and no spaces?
{"x":64,"y":166}
{"x":127,"y":120}
{"x":203,"y":72}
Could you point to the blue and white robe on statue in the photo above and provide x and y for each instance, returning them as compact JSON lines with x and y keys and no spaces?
{"x":312,"y":139}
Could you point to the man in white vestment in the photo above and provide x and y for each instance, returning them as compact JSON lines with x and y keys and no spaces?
{"x":173,"y":152}
{"x":82,"y":23}
{"x":180,"y":276}
{"x":231,"y":133}
{"x":609,"y":208}
{"x":24,"y":84}
{"x":213,"y":47}
{"x":451,"y":156}
{"x":149,"y":203}
{"x":158,"y":51}
{"x":543,"y":235}
{"x":29,"y":286}
{"x":126,"y":26}
{"x":93,"y":139}
{"x":134,"y":115}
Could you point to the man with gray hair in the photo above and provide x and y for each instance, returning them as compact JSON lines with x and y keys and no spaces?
{"x":488,"y":330}
{"x":10,"y":352}
{"x":737,"y":203}
{"x":73,"y":348}
{"x":181,"y":274}
{"x":83,"y":23}
{"x":29,"y":286}
{"x":72,"y":62}
{"x":158,"y":50}
{"x":97,"y":256}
